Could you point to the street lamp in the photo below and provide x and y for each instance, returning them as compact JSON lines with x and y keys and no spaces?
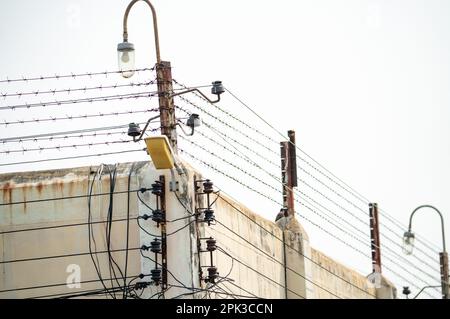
{"x":167,"y":117}
{"x":125,"y":50}
{"x":408,"y":245}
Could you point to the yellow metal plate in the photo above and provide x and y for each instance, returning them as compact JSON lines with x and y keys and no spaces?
{"x":160,"y":151}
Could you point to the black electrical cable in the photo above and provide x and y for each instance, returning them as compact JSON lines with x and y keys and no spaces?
{"x":159,"y":264}
{"x":50,"y":285}
{"x":128,"y":230}
{"x":263,"y":275}
{"x":197,"y":290}
{"x":143,"y":229}
{"x":112,"y":262}
{"x":90,"y":235}
{"x":181,"y":228}
{"x":26,"y":202}
{"x":281,"y":240}
{"x":62,"y":256}
{"x":276,"y":260}
{"x":58,"y":226}
{"x":142,"y":201}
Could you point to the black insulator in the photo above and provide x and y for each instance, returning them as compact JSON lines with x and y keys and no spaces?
{"x":211,"y":244}
{"x":212,"y":274}
{"x":134,"y":130}
{"x":209,"y":215}
{"x":406,"y":291}
{"x":157,"y":189}
{"x":141,"y":285}
{"x":144,"y":247}
{"x":145,"y":217}
{"x":156,"y":276}
{"x":217,"y":88}
{"x":208,"y":187}
{"x":155,"y":246}
{"x":158,"y":216}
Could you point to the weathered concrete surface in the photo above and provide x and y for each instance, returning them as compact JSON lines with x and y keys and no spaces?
{"x":256,"y":257}
{"x":339,"y":280}
{"x":254,"y":244}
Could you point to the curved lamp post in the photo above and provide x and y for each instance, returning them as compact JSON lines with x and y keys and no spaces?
{"x":408,"y":245}
{"x":125,"y":50}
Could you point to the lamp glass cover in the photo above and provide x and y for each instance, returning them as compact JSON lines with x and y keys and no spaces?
{"x":408,"y":243}
{"x":125,"y":54}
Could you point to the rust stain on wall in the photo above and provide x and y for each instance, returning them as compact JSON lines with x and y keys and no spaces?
{"x":39,"y":187}
{"x":7,"y":192}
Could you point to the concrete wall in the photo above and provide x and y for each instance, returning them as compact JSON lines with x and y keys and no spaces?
{"x":255,"y":257}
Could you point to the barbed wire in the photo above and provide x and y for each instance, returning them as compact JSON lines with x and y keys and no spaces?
{"x":304,"y":195}
{"x":73,"y":117}
{"x":227,"y":175}
{"x":72,"y":157}
{"x":93,"y":129}
{"x":83,"y":89}
{"x":65,"y":137}
{"x":73,"y":75}
{"x":299,"y":157}
{"x":60,"y":147}
{"x":339,"y":182}
{"x":211,"y":127}
{"x":134,"y":95}
{"x":227,"y":125}
{"x":315,"y":211}
{"x":229,"y":114}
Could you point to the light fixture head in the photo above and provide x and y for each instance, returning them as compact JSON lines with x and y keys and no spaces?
{"x":408,"y":242}
{"x":217,"y":88}
{"x":125,"y":54}
{"x":159,"y":149}
{"x":193,"y":121}
{"x":134,"y":130}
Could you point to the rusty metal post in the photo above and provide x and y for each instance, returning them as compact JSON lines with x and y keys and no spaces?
{"x":166,"y":105}
{"x":288,"y":172}
{"x":443,"y":258}
{"x":375,"y":238}
{"x":292,"y":159}
{"x":163,"y":235}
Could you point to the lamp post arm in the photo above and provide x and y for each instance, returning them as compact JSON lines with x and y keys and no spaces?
{"x":423,"y":290}
{"x":145,"y":128}
{"x":440,"y":215}
{"x":198,"y":91}
{"x":155,"y":26}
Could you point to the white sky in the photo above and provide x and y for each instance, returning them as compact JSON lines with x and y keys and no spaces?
{"x":363,"y":83}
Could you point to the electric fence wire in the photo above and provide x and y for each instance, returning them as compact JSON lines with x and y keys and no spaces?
{"x":66,"y":137}
{"x":61,"y":284}
{"x":134,"y":95}
{"x":349,"y":189}
{"x":300,"y":215}
{"x":247,"y":159}
{"x":279,"y":239}
{"x":77,"y":89}
{"x":304,"y":195}
{"x":35,"y":137}
{"x":278,"y":261}
{"x":72,"y":75}
{"x":75,"y":117}
{"x":356,"y":206}
{"x":264,"y":135}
